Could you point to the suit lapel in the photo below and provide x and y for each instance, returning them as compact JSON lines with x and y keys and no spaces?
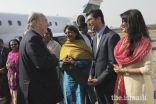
{"x":102,"y":39}
{"x":94,"y":44}
{"x":3,"y":54}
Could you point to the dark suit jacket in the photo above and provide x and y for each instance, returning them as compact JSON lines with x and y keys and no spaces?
{"x":4,"y":77}
{"x":38,"y":80}
{"x":102,"y":67}
{"x":5,"y":53}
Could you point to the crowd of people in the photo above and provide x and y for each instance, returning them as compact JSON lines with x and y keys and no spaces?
{"x":36,"y":69}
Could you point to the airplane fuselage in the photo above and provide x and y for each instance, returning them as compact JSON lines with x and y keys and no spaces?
{"x":14,"y":25}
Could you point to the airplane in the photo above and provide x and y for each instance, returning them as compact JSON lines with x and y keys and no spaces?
{"x":14,"y":25}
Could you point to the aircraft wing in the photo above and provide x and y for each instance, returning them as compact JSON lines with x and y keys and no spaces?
{"x":92,"y":4}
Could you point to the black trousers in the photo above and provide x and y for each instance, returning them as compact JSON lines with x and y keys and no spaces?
{"x":6,"y":90}
{"x":104,"y":97}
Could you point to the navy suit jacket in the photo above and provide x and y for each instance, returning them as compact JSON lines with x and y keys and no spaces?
{"x":38,"y":80}
{"x":4,"y":77}
{"x":5,"y":53}
{"x":102,"y":67}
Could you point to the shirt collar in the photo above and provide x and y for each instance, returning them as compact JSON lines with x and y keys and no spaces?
{"x":102,"y":30}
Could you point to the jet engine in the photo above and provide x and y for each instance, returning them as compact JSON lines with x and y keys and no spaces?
{"x":81,"y":18}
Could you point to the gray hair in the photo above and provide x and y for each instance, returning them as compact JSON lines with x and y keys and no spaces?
{"x":25,"y":32}
{"x":35,"y":16}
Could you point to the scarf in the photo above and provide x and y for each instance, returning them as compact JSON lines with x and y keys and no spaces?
{"x":77,"y":49}
{"x":120,"y":52}
{"x":54,"y":48}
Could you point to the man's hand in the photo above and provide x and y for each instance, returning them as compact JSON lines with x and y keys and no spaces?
{"x":90,"y":79}
{"x":93,"y":82}
{"x":2,"y":71}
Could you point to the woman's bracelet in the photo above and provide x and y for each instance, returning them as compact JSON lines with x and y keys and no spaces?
{"x":126,"y":71}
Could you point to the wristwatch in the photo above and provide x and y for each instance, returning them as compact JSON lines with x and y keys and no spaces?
{"x":126,"y":71}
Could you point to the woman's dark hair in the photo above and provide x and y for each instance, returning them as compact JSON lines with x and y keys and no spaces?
{"x":14,"y":40}
{"x":73,"y":28}
{"x":136,"y":28}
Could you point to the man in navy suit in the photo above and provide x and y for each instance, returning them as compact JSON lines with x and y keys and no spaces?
{"x":38,"y":80}
{"x":102,"y":75}
{"x":3,"y":73}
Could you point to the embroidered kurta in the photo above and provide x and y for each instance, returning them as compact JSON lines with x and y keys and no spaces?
{"x":139,"y":88}
{"x":13,"y":79}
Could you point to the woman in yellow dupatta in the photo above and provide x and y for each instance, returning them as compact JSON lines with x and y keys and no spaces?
{"x":75,"y":60}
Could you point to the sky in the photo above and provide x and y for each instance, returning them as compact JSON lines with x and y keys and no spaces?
{"x":69,"y":8}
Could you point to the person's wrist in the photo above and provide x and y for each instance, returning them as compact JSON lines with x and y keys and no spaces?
{"x":123,"y":70}
{"x":126,"y":71}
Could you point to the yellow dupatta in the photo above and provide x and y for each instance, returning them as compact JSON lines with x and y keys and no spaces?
{"x":77,"y":49}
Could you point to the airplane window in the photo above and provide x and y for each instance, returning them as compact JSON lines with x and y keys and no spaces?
{"x":50,"y":23}
{"x":10,"y":23}
{"x":19,"y":23}
{"x":55,"y":23}
{"x":0,"y":23}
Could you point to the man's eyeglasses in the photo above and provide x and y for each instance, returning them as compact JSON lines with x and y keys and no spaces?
{"x":90,"y":19}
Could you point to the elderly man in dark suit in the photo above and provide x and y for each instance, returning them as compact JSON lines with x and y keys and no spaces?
{"x":102,"y":75}
{"x":38,"y":80}
{"x":3,"y":73}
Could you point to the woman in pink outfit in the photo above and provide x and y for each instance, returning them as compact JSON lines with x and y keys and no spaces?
{"x":12,"y":66}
